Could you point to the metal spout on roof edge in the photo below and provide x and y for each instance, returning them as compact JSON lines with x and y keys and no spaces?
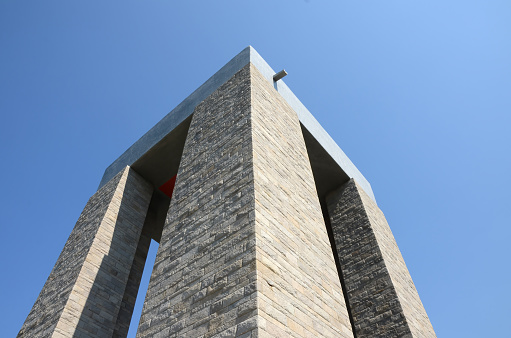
{"x":186,"y":108}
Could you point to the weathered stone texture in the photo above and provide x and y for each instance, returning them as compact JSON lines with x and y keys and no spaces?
{"x":299,"y":292}
{"x":381,"y":294}
{"x":204,"y":278}
{"x":83,"y":294}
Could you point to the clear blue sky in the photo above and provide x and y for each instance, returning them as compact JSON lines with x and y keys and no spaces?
{"x":417,"y":93}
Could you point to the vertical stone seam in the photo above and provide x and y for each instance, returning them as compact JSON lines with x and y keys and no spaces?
{"x":338,"y":264}
{"x":259,"y":320}
{"x":119,"y":190}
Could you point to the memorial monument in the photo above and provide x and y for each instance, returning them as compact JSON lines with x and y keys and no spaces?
{"x":265,"y":229}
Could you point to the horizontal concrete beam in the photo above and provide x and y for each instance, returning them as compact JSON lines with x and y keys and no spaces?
{"x":179,"y":114}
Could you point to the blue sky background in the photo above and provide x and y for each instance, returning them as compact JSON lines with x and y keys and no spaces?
{"x":417,"y":94}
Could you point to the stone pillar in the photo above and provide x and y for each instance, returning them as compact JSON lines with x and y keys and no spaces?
{"x":85,"y":290}
{"x":244,"y":250}
{"x":382,"y":298}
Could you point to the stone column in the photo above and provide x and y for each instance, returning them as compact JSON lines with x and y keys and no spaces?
{"x":244,"y":250}
{"x":85,"y":290}
{"x":382,"y":297}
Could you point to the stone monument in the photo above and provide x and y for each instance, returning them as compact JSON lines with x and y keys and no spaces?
{"x":265,"y":229}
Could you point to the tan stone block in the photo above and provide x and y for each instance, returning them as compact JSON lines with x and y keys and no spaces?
{"x":295,"y":327}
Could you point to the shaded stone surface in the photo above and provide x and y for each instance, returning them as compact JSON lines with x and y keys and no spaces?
{"x":382,"y":297}
{"x":204,"y":278}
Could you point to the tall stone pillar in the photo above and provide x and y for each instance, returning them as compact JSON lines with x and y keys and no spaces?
{"x":244,"y":250}
{"x":84,"y":292}
{"x":382,"y":297}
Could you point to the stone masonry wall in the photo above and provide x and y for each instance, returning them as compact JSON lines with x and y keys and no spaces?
{"x":299,"y":292}
{"x":381,"y":293}
{"x":77,"y":297}
{"x":204,"y":278}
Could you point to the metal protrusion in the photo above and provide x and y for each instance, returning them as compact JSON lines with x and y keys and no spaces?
{"x":279,"y":75}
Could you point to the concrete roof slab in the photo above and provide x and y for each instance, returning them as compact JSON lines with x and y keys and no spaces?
{"x":185,"y":109}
